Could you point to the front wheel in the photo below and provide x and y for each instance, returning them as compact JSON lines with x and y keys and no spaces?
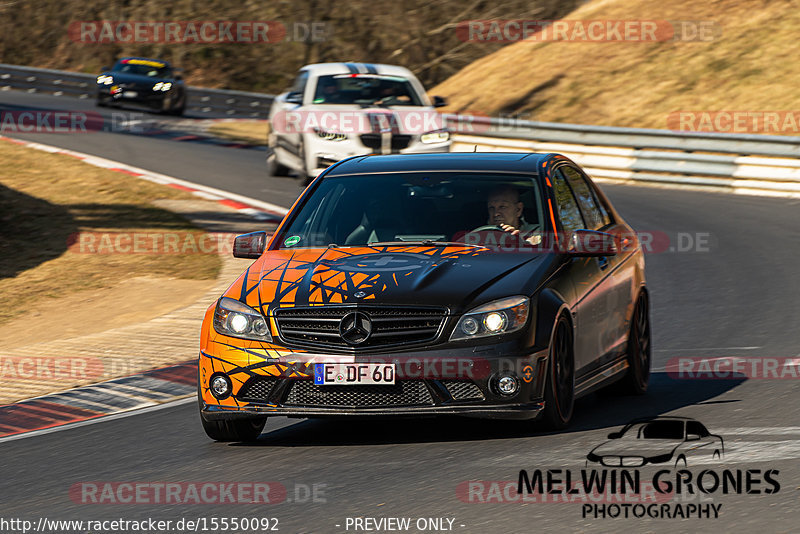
{"x":234,"y":429}
{"x":559,"y":395}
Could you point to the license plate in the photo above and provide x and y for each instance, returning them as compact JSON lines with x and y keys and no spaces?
{"x":130,"y":94}
{"x":349,"y":374}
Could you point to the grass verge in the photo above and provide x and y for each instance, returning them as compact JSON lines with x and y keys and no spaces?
{"x":253,"y":132}
{"x":46,"y":199}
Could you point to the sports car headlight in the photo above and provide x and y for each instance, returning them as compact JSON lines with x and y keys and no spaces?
{"x":232,"y":318}
{"x":498,"y":317}
{"x":104,"y":79}
{"x":162,"y":86}
{"x":435,"y":137}
{"x":330,"y":136}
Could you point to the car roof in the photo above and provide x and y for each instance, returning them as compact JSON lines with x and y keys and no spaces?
{"x":321,"y":69}
{"x":513,"y":162}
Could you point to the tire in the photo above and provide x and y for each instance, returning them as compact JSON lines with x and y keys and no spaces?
{"x":101,"y":103}
{"x":274,"y":168}
{"x":234,"y":429}
{"x":180,"y":108}
{"x":638,"y":351}
{"x":559,"y":395}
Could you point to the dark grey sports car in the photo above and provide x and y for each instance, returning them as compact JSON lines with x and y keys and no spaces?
{"x":485,"y":285}
{"x":142,"y":81}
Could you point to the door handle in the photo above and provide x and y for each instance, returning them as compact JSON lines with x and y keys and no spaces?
{"x":602,"y":261}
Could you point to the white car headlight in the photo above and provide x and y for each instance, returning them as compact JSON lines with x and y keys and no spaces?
{"x":104,"y":79}
{"x":232,"y":318}
{"x":435,"y":137}
{"x":162,"y":86}
{"x":498,"y":317}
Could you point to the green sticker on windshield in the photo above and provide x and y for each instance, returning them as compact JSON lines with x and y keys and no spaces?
{"x":291,"y":241}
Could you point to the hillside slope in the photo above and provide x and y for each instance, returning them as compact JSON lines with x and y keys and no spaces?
{"x":749,"y":65}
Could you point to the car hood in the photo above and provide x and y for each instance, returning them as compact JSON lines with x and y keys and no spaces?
{"x":636,"y":447}
{"x":458,"y":277}
{"x":136,"y":79}
{"x":404,"y":119}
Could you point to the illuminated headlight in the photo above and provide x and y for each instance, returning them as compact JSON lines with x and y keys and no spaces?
{"x":435,"y":137}
{"x":232,"y":318}
{"x":330,"y":136}
{"x":162,"y":86}
{"x":104,"y":79}
{"x":498,"y":317}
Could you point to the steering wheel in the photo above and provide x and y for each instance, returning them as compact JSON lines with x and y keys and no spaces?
{"x":487,"y":227}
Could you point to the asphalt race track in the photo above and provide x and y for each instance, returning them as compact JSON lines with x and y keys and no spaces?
{"x":736,"y":294}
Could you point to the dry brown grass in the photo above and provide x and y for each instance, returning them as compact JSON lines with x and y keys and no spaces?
{"x":46,"y":198}
{"x":253,"y":132}
{"x":746,"y":68}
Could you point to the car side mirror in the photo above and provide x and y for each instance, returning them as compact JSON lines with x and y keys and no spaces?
{"x":692,"y":437}
{"x":179,"y":76}
{"x":439,"y":101}
{"x":294,"y":98}
{"x":590,"y":243}
{"x":615,"y":435}
{"x":250,"y":245}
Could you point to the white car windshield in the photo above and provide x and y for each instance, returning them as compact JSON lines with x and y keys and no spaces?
{"x":366,"y":90}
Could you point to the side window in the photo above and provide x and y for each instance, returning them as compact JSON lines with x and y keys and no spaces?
{"x":593,"y":211}
{"x":299,"y":84}
{"x":695,"y":427}
{"x":568,"y":210}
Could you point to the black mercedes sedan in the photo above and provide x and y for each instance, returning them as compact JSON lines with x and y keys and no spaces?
{"x":141,"y":81}
{"x":491,"y":285}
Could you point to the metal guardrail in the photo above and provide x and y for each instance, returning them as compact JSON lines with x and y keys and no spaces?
{"x":744,"y":163}
{"x":234,"y":104}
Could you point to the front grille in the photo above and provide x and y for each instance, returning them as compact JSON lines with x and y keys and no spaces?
{"x":319,"y":326}
{"x":463,"y":390}
{"x":404,"y":393}
{"x":398,"y":141}
{"x":257,"y":389}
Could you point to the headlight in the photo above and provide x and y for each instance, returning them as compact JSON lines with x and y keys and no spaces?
{"x":232,"y":318}
{"x":435,"y":137}
{"x":330,"y":136}
{"x":498,"y":317}
{"x":162,"y":86}
{"x":104,"y":79}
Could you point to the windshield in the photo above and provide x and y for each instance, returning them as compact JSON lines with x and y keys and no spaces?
{"x":662,"y":430}
{"x":141,"y":67}
{"x":366,"y":90}
{"x":417,"y":207}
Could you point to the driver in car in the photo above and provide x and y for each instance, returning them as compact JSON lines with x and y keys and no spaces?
{"x":505,"y":211}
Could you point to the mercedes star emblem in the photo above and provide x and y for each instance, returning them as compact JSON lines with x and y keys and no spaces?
{"x":355,"y":327}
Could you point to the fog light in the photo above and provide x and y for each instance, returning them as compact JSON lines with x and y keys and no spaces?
{"x":469,"y":326}
{"x":508,"y":385}
{"x":495,"y":321}
{"x":220,"y":386}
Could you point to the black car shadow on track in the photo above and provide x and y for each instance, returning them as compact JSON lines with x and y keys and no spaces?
{"x":665,"y":395}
